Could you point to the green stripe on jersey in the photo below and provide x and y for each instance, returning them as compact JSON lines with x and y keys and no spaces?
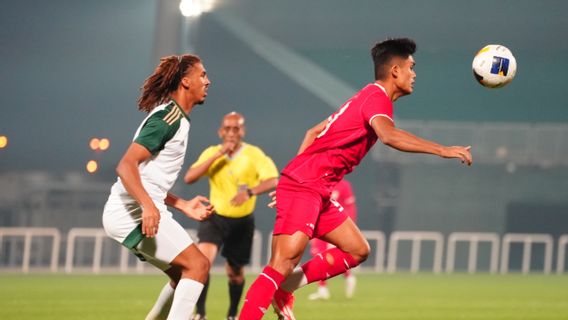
{"x":160,"y":128}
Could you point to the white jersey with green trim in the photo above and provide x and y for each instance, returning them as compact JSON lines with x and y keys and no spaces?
{"x":164,"y":132}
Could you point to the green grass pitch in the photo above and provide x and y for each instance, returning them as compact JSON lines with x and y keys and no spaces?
{"x":400,"y":296}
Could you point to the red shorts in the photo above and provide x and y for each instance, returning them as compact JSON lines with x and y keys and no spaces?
{"x":305,"y":207}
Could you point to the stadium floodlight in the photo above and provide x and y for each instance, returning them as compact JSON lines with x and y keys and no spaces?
{"x":194,"y":8}
{"x":104,"y":144}
{"x":92,"y":166}
{"x":94,"y":143}
{"x":3,"y":142}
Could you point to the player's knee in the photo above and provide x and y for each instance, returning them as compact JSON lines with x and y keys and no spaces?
{"x":361,"y":253}
{"x":197,"y":265}
{"x":284,"y":266}
{"x":203,"y":265}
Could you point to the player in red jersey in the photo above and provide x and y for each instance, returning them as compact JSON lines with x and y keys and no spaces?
{"x":343,"y":194}
{"x":330,"y":150}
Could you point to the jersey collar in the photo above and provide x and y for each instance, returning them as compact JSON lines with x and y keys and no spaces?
{"x":382,"y":88}
{"x":176,"y":105}
{"x":236,"y":154}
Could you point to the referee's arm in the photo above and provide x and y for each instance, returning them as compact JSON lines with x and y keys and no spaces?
{"x":264,"y":186}
{"x":194,"y":173}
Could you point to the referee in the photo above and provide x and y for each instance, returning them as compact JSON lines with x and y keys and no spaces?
{"x":237,"y":173}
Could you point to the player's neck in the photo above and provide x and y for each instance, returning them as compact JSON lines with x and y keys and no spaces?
{"x":392,"y":91}
{"x":182,"y":101}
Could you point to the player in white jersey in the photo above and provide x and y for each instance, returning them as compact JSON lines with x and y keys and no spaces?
{"x":136,"y":213}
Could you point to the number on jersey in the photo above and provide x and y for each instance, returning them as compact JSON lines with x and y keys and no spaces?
{"x":333,"y":117}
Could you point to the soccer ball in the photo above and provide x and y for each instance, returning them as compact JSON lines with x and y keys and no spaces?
{"x":494,"y":66}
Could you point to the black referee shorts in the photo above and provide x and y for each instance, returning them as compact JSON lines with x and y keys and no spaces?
{"x":232,"y":235}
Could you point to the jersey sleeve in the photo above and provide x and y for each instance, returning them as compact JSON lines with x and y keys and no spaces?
{"x":206,"y":154}
{"x":377,"y":105}
{"x":265,"y":166}
{"x":155,"y":133}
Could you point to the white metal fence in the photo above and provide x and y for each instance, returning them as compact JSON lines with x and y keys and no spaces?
{"x":473,"y":239}
{"x":417,"y":238}
{"x":36,"y":240}
{"x":28,"y":234}
{"x":527,"y":239}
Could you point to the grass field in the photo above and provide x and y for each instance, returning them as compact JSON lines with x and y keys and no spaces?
{"x":401,"y":296}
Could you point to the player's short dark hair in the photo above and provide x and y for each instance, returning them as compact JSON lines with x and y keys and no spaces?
{"x":383,"y":52}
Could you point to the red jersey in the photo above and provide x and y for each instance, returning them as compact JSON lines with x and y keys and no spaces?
{"x":345,"y":140}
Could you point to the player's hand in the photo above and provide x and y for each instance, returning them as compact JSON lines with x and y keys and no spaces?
{"x":198,"y":208}
{"x":462,"y":153}
{"x":272,"y":203}
{"x":150,"y":221}
{"x":240,"y":198}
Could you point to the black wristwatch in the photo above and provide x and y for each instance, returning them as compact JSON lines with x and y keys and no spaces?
{"x":249,"y":192}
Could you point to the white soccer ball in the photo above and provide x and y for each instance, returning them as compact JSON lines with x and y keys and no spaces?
{"x":494,"y":66}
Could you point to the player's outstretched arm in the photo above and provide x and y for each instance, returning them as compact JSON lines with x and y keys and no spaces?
{"x":197,"y":208}
{"x":407,"y":142}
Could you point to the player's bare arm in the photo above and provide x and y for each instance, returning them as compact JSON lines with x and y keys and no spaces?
{"x":197,"y":208}
{"x":264,"y":186}
{"x":311,"y":135}
{"x":407,"y":142}
{"x":127,"y":170}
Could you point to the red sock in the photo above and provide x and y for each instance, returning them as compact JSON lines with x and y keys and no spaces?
{"x":347,"y":273}
{"x":328,"y":264}
{"x":322,"y":283}
{"x":260,"y":294}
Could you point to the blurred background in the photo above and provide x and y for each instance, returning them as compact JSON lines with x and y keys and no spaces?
{"x":71,"y":71}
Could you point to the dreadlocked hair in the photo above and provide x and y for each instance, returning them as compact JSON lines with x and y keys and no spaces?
{"x":158,"y":87}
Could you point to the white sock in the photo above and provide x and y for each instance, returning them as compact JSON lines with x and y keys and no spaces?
{"x":185,"y":297}
{"x":162,"y":305}
{"x":295,"y":280}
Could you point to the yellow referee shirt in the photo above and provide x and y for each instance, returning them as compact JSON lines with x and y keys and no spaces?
{"x":227,"y":175}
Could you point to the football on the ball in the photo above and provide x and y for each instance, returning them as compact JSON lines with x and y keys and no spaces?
{"x":494,"y":66}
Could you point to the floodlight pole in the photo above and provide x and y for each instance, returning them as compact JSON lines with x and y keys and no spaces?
{"x":168,"y":31}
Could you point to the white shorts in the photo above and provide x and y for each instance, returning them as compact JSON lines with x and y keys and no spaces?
{"x":123,"y":224}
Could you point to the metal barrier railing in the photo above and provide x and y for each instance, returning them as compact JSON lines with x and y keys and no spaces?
{"x":28,"y":234}
{"x":527,"y":239}
{"x":416,"y":238}
{"x":473,"y":238}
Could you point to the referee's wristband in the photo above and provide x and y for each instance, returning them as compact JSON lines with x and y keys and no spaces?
{"x":249,"y":192}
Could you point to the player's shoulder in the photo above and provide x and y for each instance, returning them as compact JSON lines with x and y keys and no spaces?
{"x":168,"y":114}
{"x":375,"y":91}
{"x":370,"y":97}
